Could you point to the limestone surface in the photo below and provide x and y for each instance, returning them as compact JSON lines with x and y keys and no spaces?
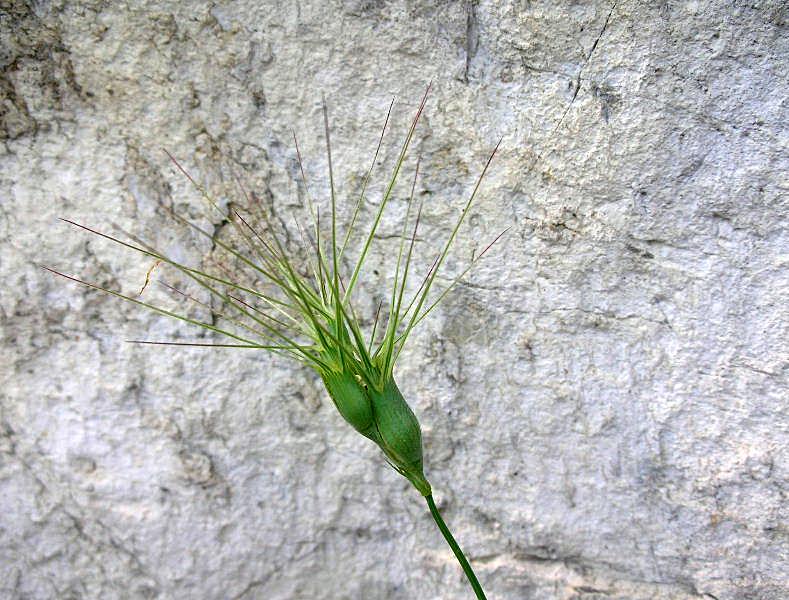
{"x":603,"y":398}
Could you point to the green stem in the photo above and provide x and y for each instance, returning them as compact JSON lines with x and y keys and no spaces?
{"x":472,"y":579}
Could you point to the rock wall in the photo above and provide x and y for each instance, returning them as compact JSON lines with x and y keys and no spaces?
{"x":603,"y":398}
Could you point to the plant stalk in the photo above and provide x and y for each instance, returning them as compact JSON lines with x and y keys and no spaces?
{"x":472,"y":578}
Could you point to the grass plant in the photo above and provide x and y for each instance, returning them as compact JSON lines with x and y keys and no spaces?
{"x":306,"y":310}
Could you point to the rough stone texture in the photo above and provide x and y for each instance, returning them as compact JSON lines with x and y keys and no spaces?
{"x":604,"y":400}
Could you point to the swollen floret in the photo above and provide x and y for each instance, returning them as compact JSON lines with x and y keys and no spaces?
{"x":352,"y":402}
{"x":401,"y":436}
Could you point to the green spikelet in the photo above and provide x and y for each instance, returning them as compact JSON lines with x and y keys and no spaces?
{"x":352,"y":402}
{"x":400,"y":434}
{"x":383,"y":417}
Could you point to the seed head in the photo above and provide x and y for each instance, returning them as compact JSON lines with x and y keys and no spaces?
{"x":308,"y":313}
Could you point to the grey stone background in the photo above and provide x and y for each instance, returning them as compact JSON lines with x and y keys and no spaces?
{"x":604,"y":399}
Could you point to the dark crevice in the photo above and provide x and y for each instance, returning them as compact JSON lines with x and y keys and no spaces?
{"x":472,"y":36}
{"x":578,"y":79}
